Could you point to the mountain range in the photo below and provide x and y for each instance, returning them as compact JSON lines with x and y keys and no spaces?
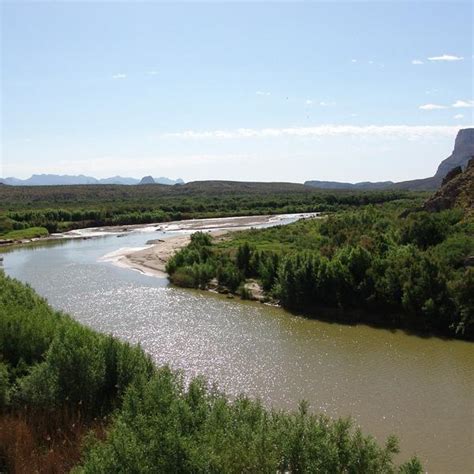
{"x":462,"y":153}
{"x":54,"y":179}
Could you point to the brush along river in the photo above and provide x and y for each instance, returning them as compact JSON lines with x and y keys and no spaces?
{"x":420,"y":389}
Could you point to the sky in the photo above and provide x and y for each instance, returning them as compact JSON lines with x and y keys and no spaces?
{"x":282,"y":91}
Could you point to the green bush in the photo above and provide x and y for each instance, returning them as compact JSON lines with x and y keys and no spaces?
{"x":165,"y":427}
{"x":4,"y":385}
{"x":26,"y":233}
{"x":56,"y":361}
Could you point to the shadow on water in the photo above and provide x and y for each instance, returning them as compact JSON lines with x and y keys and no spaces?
{"x":393,"y":323}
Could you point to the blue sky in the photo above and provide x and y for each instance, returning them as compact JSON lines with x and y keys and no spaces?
{"x":248,"y":91}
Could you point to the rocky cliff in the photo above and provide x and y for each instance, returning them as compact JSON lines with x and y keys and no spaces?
{"x":457,"y":189}
{"x":462,"y":153}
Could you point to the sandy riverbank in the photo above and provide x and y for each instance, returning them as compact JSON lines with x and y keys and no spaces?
{"x":214,"y":223}
{"x":152,"y":258}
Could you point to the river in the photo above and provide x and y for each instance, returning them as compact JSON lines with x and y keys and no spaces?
{"x":420,"y":389}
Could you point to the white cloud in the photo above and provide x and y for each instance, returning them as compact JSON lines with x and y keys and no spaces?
{"x":458,"y":116}
{"x":353,"y":61}
{"x":459,"y":104}
{"x":262,"y":93}
{"x":386,"y":131}
{"x":309,"y":102}
{"x":432,"y":107}
{"x":463,"y":104}
{"x":446,"y":57}
{"x":119,"y":76}
{"x":152,"y":73}
{"x":417,"y":61}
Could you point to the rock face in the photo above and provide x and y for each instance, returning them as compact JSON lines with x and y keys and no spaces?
{"x":457,"y":190}
{"x":463,"y":151}
{"x":147,"y":180}
{"x":451,"y":174}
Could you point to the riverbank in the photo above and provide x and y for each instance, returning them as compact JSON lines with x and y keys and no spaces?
{"x":152,"y":258}
{"x":215,"y":223}
{"x":355,"y":262}
{"x":149,"y":260}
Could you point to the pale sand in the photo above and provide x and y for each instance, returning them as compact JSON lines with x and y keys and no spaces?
{"x":235,"y":222}
{"x":152,"y":259}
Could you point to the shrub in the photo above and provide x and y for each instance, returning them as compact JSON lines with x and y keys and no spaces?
{"x":4,"y":386}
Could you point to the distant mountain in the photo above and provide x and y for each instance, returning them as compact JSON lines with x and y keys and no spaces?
{"x":53,"y":179}
{"x":147,"y":180}
{"x":50,"y":179}
{"x":119,"y":180}
{"x":463,"y":150}
{"x":163,"y":180}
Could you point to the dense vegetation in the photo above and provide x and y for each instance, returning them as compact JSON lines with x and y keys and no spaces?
{"x":59,"y":380}
{"x":374,"y":264}
{"x":60,"y":208}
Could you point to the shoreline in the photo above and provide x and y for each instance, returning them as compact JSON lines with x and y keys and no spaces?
{"x":152,"y":258}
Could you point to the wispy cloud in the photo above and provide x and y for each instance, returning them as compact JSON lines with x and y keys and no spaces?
{"x":382,"y":131}
{"x":432,"y":107}
{"x":309,"y":102}
{"x":446,"y":57}
{"x":353,"y":61}
{"x":417,"y":61}
{"x":265,"y":93}
{"x":459,"y":104}
{"x":463,"y":104}
{"x":152,"y":73}
{"x":458,"y":116}
{"x":119,"y":76}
